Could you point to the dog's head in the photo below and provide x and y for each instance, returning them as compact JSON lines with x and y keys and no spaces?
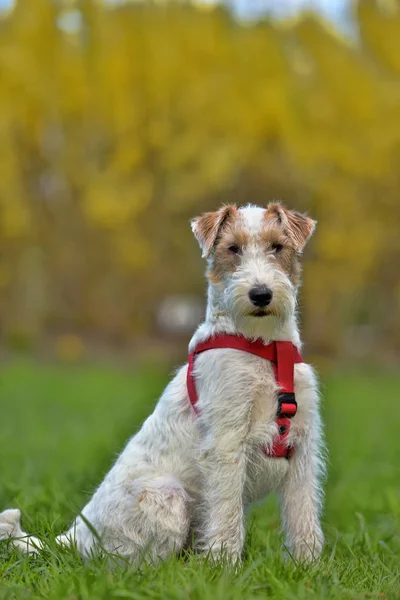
{"x":253,"y":257}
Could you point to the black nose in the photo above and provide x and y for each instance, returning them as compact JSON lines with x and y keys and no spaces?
{"x":260,"y":295}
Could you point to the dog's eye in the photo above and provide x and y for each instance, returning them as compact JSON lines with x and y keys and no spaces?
{"x":235,"y":249}
{"x":277,"y":248}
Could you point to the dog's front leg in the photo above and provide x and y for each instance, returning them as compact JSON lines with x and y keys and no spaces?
{"x":300,"y":509}
{"x":301,"y":497}
{"x":222,"y":530}
{"x":224,"y":424}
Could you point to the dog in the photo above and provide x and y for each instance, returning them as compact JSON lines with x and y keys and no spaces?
{"x":193,"y":468}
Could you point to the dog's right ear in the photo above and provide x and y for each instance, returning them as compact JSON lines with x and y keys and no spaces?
{"x":207,"y":227}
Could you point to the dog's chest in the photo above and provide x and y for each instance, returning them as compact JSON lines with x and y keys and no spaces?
{"x":262,"y":389}
{"x":239,"y":381}
{"x":244,"y":386}
{"x":238,"y":399}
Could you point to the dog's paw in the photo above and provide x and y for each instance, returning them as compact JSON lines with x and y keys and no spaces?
{"x":10,"y":529}
{"x":10,"y":523}
{"x":308,"y":551}
{"x":230,"y":557}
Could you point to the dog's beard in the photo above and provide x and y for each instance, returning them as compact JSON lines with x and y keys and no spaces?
{"x":243,"y":312}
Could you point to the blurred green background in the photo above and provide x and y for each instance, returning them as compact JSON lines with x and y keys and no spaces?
{"x":61,"y":427}
{"x":121,"y":120}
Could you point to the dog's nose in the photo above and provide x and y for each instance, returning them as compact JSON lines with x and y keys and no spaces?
{"x":260,"y":295}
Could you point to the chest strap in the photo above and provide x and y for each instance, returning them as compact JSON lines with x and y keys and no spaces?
{"x":283,"y":356}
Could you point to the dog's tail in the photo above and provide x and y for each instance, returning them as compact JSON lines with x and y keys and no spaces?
{"x":10,"y":529}
{"x":79,"y":535}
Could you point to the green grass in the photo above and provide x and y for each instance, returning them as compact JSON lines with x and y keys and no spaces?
{"x":60,"y":429}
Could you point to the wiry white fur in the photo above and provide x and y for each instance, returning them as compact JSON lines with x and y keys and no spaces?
{"x":182,"y":473}
{"x":253,"y":218}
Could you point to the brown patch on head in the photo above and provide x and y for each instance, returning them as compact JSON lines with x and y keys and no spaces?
{"x":225,"y":259}
{"x":289,"y":231}
{"x":275,"y":239}
{"x":223,"y":236}
{"x":208,"y":228}
{"x":298,"y":227}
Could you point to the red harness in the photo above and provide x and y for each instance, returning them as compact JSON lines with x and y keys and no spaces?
{"x":283,"y":356}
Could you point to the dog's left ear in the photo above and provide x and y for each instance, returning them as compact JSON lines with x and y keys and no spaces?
{"x":298,"y":227}
{"x":207,"y":227}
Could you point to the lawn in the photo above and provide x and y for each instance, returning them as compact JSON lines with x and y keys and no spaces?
{"x":60,"y":430}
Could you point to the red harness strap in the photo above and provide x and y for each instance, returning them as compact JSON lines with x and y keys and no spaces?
{"x":283,"y":356}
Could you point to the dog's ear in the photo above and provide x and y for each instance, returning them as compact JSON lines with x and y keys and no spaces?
{"x":207,"y":227}
{"x":298,"y":227}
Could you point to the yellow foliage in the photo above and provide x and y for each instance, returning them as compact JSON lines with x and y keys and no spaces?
{"x":111,"y":203}
{"x":15,"y":217}
{"x":113,"y":134}
{"x":132,"y":250}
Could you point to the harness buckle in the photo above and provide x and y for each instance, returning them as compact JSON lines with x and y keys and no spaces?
{"x":290,"y":452}
{"x":287,"y":405}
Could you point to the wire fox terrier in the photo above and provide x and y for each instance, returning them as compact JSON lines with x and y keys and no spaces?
{"x":192,"y":473}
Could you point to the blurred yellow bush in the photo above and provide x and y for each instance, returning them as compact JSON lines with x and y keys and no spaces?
{"x":118,"y":123}
{"x":69,"y":348}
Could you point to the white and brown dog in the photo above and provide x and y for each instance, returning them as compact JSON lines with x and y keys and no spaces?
{"x":195,"y":471}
